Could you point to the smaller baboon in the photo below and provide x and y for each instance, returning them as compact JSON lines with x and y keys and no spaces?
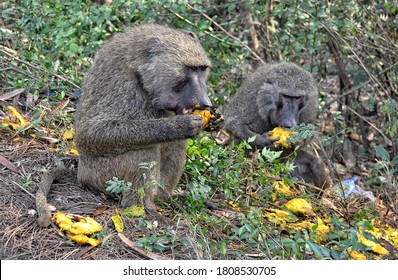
{"x":276,"y":95}
{"x":135,"y":108}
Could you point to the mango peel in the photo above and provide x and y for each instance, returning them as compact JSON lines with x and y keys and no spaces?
{"x":206,"y":116}
{"x":299,"y":206}
{"x":78,"y":231}
{"x":283,"y":135}
{"x":15,"y":120}
{"x":211,"y":116}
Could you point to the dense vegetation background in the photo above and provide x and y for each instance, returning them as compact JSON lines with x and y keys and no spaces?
{"x":351,"y":47}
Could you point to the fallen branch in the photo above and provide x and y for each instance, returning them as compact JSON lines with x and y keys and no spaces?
{"x":141,"y":252}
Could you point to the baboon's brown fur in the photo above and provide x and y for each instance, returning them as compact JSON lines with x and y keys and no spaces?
{"x":280,"y":94}
{"x":135,"y":108}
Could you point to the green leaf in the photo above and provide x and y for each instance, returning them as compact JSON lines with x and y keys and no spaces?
{"x":382,"y":153}
{"x":317,"y":249}
{"x":251,"y":139}
{"x":223,"y":248}
{"x":335,"y":255}
{"x":74,"y":48}
{"x":296,"y":247}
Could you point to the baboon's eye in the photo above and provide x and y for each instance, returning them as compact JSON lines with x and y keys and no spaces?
{"x":301,"y":104}
{"x":200,"y":68}
{"x":180,"y":85}
{"x":279,"y":105}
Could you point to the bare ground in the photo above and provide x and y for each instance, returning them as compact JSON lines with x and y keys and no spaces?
{"x":22,"y":238}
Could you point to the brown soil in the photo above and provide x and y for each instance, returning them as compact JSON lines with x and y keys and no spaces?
{"x":22,"y":238}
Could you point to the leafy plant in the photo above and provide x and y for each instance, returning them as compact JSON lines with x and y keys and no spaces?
{"x":302,"y":131}
{"x":117,"y":186}
{"x":386,"y":168}
{"x":391,"y":109}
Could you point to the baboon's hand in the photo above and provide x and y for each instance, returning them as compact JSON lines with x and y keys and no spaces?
{"x":263,"y":141}
{"x":190,"y":125}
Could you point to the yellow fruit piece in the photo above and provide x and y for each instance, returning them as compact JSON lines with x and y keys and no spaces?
{"x":235,"y":207}
{"x":62,"y":221}
{"x":273,"y":218}
{"x":281,"y":213}
{"x":279,"y":216}
{"x":355,"y":255}
{"x":206,"y":116}
{"x":320,"y":231}
{"x":376,"y":248}
{"x":302,"y":225}
{"x":15,"y":120}
{"x":72,"y":152}
{"x":78,"y":231}
{"x":14,"y":114}
{"x":283,"y":135}
{"x":299,"y":206}
{"x":68,"y":135}
{"x":322,"y":227}
{"x":281,"y":187}
{"x":388,"y":233}
{"x":118,"y":222}
{"x":10,"y":124}
{"x":392,"y":236}
{"x":86,"y":226}
{"x":83,"y":239}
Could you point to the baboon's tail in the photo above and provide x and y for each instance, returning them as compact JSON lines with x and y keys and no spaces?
{"x":48,"y":178}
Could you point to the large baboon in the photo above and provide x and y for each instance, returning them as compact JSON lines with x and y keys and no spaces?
{"x":135,"y":108}
{"x":276,"y":95}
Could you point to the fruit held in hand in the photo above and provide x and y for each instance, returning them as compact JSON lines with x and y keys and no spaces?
{"x":206,"y":116}
{"x":283,"y":135}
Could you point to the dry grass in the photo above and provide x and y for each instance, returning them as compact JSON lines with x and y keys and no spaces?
{"x":22,"y":238}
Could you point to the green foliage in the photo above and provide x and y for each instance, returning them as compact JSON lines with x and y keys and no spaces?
{"x":385,"y":169}
{"x":390,"y":108}
{"x":157,"y":242}
{"x":117,"y":186}
{"x":26,"y":181}
{"x":302,"y":131}
{"x":228,"y":169}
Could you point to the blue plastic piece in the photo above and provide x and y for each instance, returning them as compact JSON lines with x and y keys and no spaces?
{"x":347,"y":186}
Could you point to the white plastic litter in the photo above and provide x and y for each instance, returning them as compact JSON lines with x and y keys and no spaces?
{"x":349,"y":188}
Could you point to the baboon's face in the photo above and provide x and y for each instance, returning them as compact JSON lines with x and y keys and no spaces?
{"x":191,"y":91}
{"x":287,"y":90}
{"x":176,"y":72}
{"x":288,"y":110}
{"x":284,"y":104}
{"x":187,"y":91}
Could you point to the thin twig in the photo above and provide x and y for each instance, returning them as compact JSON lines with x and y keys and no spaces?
{"x":361,"y":85}
{"x":194,"y":25}
{"x":22,"y":188}
{"x":229,"y":34}
{"x":372,"y":125}
{"x":140,"y":251}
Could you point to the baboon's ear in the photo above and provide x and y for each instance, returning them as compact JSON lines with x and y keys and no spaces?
{"x":154,"y":47}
